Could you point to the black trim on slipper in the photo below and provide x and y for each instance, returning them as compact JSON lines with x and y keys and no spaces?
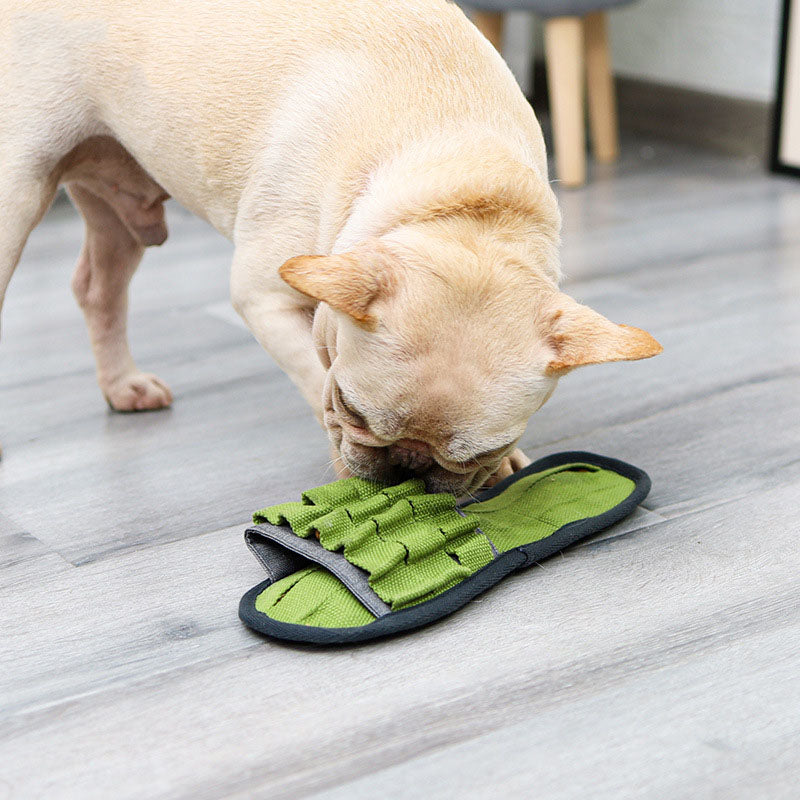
{"x":486,"y":577}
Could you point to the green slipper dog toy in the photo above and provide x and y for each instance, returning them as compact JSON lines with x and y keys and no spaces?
{"x":356,"y":560}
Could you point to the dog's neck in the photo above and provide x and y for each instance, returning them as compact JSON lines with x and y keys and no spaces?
{"x":481,"y":175}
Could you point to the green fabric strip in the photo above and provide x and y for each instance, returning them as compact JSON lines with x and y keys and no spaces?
{"x":312,"y":597}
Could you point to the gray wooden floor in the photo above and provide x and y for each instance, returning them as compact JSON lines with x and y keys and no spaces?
{"x":660,"y":660}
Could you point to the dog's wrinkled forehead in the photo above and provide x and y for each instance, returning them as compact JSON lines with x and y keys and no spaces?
{"x":441,"y":389}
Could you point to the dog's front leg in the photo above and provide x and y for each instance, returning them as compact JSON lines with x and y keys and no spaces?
{"x":281,"y":321}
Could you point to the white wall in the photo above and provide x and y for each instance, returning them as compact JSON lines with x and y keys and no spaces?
{"x":723,"y":46}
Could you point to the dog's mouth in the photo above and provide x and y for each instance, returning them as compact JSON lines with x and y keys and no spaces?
{"x":399,"y":461}
{"x":383,"y":464}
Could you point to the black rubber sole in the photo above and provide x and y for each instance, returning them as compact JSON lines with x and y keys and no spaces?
{"x":455,"y":598}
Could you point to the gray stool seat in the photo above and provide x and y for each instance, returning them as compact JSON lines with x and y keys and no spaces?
{"x":549,"y":8}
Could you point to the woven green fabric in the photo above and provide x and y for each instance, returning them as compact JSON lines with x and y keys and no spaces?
{"x":413,"y":545}
{"x":537,"y":506}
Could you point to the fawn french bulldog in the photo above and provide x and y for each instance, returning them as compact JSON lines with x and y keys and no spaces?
{"x":380,"y":174}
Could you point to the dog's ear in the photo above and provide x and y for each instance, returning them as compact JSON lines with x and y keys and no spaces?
{"x":350,"y":282}
{"x":578,"y":336}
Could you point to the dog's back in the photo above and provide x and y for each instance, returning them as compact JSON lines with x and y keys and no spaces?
{"x":215,"y":73}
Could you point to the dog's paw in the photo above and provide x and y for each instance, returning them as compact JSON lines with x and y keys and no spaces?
{"x":517,"y":460}
{"x":137,"y":391}
{"x":508,"y":466}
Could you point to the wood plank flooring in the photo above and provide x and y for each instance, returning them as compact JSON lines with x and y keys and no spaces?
{"x":658,"y":660}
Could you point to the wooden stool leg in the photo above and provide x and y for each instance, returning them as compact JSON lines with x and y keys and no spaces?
{"x":600,"y":88}
{"x":565,"y":82}
{"x":490,"y":24}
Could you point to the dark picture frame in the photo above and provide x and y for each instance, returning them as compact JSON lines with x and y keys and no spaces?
{"x":790,"y":17}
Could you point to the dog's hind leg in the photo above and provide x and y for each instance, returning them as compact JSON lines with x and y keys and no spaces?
{"x":111,"y":253}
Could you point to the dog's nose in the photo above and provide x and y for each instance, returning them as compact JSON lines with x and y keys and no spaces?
{"x":411,"y":454}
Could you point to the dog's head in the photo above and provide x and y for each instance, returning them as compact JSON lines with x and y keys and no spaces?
{"x":438,"y":351}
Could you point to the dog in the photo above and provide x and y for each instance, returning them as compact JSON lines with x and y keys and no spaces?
{"x":382,"y":178}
